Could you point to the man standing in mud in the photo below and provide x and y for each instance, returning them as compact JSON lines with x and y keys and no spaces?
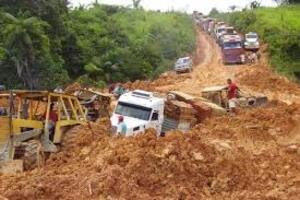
{"x":122,"y":128}
{"x":232,"y":95}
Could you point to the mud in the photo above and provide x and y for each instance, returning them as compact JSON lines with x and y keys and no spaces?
{"x":253,"y":155}
{"x":223,"y":158}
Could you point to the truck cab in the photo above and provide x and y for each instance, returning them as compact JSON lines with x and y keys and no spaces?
{"x":251,"y":41}
{"x":211,"y":27}
{"x":232,"y":50}
{"x":141,"y":110}
{"x":220,"y":30}
{"x":228,"y":30}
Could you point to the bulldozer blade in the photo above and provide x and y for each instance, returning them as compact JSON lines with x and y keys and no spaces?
{"x":260,"y":101}
{"x":47,"y":145}
{"x":11,"y":167}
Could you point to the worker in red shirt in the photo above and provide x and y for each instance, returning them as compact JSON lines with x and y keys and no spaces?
{"x":52,"y":119}
{"x":232,"y":95}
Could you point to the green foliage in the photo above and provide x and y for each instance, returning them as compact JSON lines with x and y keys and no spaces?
{"x":214,"y":12}
{"x":44,"y":44}
{"x":31,"y":37}
{"x":27,"y":48}
{"x":280,"y":28}
{"x":125,"y":44}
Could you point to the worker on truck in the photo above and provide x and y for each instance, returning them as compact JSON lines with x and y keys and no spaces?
{"x":232,"y":95}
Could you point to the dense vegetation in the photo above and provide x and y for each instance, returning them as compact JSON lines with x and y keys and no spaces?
{"x":44,"y":44}
{"x":280,"y":28}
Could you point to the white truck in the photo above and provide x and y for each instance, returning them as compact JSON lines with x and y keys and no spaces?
{"x":184,"y":65}
{"x":141,"y":111}
{"x":251,"y":41}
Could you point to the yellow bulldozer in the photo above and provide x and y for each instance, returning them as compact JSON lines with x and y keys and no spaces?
{"x":25,"y":126}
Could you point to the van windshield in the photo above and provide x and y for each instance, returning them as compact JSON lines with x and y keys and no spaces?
{"x":182,"y":61}
{"x":232,"y":45}
{"x":134,"y":111}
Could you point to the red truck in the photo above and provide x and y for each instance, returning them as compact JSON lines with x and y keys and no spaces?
{"x":232,"y":50}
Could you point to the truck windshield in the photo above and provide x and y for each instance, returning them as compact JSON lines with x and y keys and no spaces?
{"x":251,"y":36}
{"x":230,"y":31}
{"x":232,"y":45}
{"x":134,"y":111}
{"x":221,"y":30}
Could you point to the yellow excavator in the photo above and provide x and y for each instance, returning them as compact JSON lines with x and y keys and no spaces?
{"x":25,"y":126}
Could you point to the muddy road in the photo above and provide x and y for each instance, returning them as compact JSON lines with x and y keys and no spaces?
{"x":252,"y":78}
{"x":254,"y":155}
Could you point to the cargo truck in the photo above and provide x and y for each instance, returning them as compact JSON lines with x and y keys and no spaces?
{"x":142,"y":110}
{"x":232,"y":50}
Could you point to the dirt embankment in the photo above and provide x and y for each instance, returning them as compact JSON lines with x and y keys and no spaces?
{"x":224,"y":158}
{"x":254,"y":155}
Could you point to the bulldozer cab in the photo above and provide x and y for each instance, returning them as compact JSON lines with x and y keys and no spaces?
{"x":25,"y":115}
{"x":216,"y":94}
{"x":96,"y":104}
{"x":31,"y":110}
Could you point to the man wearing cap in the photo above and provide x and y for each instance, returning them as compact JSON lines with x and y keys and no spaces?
{"x":122,"y":127}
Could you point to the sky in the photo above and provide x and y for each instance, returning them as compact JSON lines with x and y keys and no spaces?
{"x":182,"y":5}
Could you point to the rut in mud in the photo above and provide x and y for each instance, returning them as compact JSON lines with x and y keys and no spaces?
{"x":254,"y":155}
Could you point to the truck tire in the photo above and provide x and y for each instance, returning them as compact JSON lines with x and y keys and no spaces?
{"x":31,"y":154}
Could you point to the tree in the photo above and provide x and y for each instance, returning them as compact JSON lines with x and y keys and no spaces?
{"x":136,"y":3}
{"x":214,"y":12}
{"x":28,"y":49}
{"x":254,"y":5}
{"x":232,"y":8}
{"x":287,"y":1}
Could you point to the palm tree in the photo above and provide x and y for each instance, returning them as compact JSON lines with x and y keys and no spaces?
{"x":254,"y":5}
{"x":136,"y":3}
{"x":21,"y":35}
{"x":232,"y":8}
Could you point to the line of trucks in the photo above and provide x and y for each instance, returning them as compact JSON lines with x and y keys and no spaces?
{"x":236,"y":48}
